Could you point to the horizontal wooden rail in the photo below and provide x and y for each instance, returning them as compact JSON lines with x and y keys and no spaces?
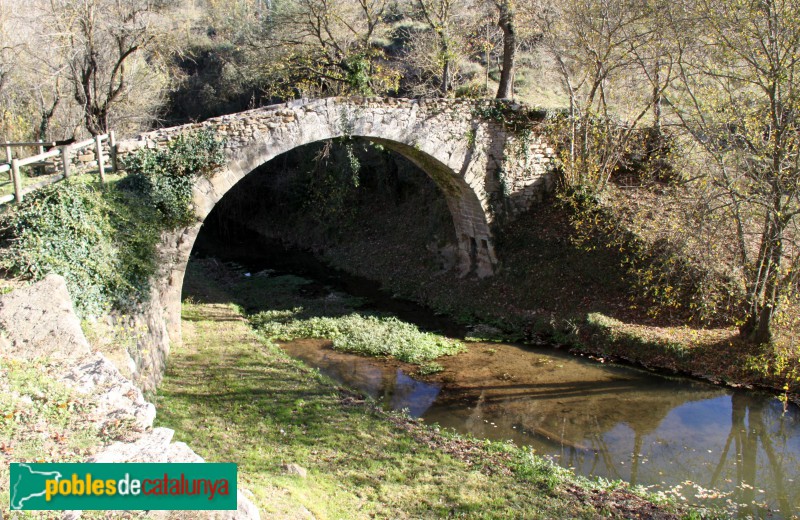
{"x":38,"y":158}
{"x":31,"y":143}
{"x":65,"y":152}
{"x":86,"y":142}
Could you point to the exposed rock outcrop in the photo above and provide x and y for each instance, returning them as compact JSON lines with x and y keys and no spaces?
{"x":39,"y":321}
{"x":157,"y":446}
{"x":117,"y":398}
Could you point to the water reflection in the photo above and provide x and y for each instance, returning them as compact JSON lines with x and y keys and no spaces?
{"x":701,"y":443}
{"x":390,"y":386}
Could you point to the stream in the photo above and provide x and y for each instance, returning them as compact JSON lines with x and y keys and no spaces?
{"x":699,"y":443}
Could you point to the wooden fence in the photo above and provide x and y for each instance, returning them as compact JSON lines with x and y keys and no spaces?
{"x":58,"y":156}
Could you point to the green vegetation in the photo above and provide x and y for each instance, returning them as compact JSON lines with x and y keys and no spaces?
{"x":237,"y":397}
{"x":297,"y":311}
{"x":164,"y":177}
{"x":781,"y":362}
{"x":564,"y":264}
{"x":42,"y":419}
{"x":102,"y":238}
{"x":359,"y":334}
{"x":27,"y":179}
{"x":514,"y":116}
{"x":663,"y":276}
{"x":718,"y":145}
{"x":427,"y":369}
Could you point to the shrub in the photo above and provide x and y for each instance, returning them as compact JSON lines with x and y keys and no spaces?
{"x":65,"y":230}
{"x":101,"y":242}
{"x":102,"y":239}
{"x":662,"y":273}
{"x":359,"y":334}
{"x":164,"y":177}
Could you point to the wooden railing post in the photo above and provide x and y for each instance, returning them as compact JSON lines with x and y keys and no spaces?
{"x":8,"y":158}
{"x":112,"y":146}
{"x":65,"y":159}
{"x":40,"y":149}
{"x":17,"y":180}
{"x":98,"y":142}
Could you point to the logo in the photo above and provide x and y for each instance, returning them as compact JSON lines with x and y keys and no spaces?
{"x":123,"y":486}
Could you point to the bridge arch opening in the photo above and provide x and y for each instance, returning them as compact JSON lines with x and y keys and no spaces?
{"x":488,"y":171}
{"x":367,"y":206}
{"x":473,"y":253}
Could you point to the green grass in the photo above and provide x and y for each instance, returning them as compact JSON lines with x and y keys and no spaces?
{"x":299,"y":309}
{"x":235,"y":396}
{"x":359,"y":334}
{"x":7,"y":186}
{"x":429,"y":368}
{"x":41,"y":419}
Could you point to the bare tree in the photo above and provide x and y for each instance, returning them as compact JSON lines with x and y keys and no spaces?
{"x":449,"y":23}
{"x":100,"y":40}
{"x":327,"y":46}
{"x":10,"y":51}
{"x":739,"y":100}
{"x":29,"y":85}
{"x":595,"y":44}
{"x":6,"y":47}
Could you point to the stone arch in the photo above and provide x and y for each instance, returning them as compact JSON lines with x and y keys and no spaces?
{"x":469,"y":218}
{"x":436,"y":141}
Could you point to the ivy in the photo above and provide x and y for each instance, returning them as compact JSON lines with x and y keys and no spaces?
{"x":102,"y":238}
{"x":165,"y":177}
{"x":512,"y":116}
{"x":354,"y":163}
{"x":358,"y":74}
{"x":88,"y":235}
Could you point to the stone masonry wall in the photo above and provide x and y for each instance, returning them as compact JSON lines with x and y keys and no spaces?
{"x":522,"y":166}
{"x":486,"y":171}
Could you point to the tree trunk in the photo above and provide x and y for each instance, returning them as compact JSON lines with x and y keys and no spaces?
{"x":506,"y":88}
{"x":657,"y":98}
{"x":44,"y":122}
{"x":445,"y":77}
{"x":763,"y":293}
{"x":96,"y":120}
{"x":762,"y":331}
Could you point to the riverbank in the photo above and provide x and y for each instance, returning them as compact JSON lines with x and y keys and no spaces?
{"x":511,"y":307}
{"x":63,"y":400}
{"x":307,"y":447}
{"x":547,"y":288}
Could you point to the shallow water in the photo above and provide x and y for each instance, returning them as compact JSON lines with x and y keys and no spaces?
{"x":700,"y":443}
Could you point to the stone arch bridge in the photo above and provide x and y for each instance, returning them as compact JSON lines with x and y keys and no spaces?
{"x":485,"y":169}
